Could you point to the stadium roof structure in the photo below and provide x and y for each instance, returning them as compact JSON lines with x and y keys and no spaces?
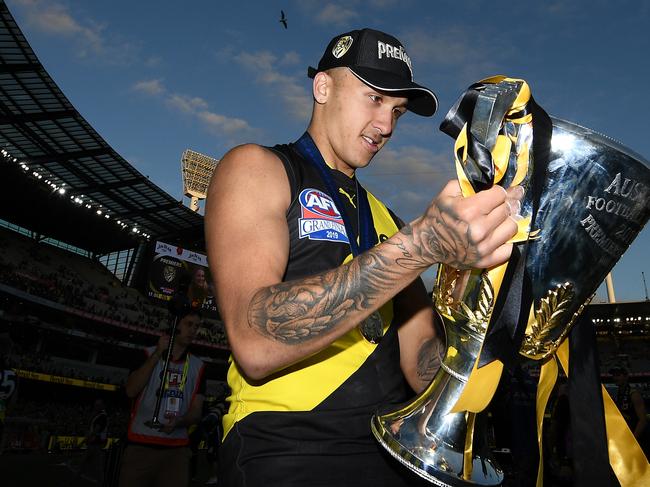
{"x":45,"y":139}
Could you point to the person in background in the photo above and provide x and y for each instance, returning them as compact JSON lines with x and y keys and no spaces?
{"x":160,"y":457}
{"x":198,"y":289}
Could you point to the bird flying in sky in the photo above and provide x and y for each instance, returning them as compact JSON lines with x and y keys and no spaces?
{"x":283,"y":19}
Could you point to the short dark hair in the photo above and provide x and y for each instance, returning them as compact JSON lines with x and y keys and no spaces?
{"x":184,"y":314}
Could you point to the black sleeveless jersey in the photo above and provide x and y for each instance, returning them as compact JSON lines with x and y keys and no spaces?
{"x":319,"y":241}
{"x":320,"y":407}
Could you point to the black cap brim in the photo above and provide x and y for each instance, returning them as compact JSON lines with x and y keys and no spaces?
{"x":421,"y":101}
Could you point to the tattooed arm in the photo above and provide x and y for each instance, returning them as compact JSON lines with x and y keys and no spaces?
{"x":272,"y":324}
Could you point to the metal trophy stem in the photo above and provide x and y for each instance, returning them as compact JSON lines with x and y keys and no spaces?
{"x":425,"y":435}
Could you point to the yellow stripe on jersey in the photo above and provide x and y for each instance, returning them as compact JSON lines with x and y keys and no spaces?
{"x":305,"y":385}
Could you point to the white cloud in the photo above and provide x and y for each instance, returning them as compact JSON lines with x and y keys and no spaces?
{"x":471,"y":54}
{"x":290,"y":58}
{"x":196,"y":107}
{"x":336,"y":14}
{"x":449,"y":47}
{"x":54,"y":19}
{"x":222,"y":124}
{"x":408,"y":178}
{"x":186,"y":103}
{"x":346,"y":13}
{"x":259,"y":61}
{"x":412,"y":164}
{"x":293,"y":92}
{"x":149,"y":87}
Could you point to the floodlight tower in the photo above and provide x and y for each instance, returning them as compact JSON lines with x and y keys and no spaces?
{"x":197,"y":170}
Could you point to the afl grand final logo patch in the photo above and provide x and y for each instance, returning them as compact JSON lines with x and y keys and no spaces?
{"x":342,"y":46}
{"x":319,"y":217}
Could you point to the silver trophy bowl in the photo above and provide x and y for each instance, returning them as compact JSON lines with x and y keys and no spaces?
{"x":586,"y":199}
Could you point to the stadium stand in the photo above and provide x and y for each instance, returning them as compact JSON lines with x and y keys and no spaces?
{"x":623,"y":335}
{"x":78,"y":226}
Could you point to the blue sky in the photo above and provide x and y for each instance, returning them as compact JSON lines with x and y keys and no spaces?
{"x":157,"y":77}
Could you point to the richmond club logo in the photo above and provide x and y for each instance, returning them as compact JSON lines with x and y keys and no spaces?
{"x":320,"y":219}
{"x":342,"y":46}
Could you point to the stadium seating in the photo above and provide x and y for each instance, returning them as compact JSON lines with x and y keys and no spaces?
{"x":80,"y":283}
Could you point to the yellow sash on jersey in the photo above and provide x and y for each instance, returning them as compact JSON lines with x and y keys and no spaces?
{"x":303,"y":386}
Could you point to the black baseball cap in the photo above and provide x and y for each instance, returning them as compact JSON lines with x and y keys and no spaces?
{"x":380,"y":61}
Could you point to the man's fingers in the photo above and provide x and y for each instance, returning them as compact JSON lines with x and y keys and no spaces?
{"x":494,"y":249}
{"x":483,"y":227}
{"x":499,"y":256}
{"x":480,"y":224}
{"x":500,"y":235}
{"x":495,"y":218}
{"x":515,"y":192}
{"x":490,"y":199}
{"x":514,"y":196}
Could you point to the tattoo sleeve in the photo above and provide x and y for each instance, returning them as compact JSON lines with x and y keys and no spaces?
{"x":298,"y":311}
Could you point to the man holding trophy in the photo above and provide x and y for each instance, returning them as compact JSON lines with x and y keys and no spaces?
{"x":328,"y":321}
{"x":325,"y":313}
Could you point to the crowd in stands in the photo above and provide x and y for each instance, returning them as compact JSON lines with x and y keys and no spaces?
{"x":34,"y":362}
{"x":68,"y":316}
{"x":84,"y":285}
{"x":64,"y":288}
{"x":48,"y":418}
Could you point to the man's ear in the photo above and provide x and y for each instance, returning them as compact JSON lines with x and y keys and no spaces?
{"x":321,"y":87}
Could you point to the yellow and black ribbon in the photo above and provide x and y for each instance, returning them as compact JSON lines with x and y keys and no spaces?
{"x":605,"y":451}
{"x":479,"y":167}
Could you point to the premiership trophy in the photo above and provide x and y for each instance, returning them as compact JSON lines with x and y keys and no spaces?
{"x":586,"y":199}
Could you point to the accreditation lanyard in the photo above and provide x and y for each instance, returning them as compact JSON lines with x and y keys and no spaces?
{"x":181,"y":384}
{"x":367,"y":237}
